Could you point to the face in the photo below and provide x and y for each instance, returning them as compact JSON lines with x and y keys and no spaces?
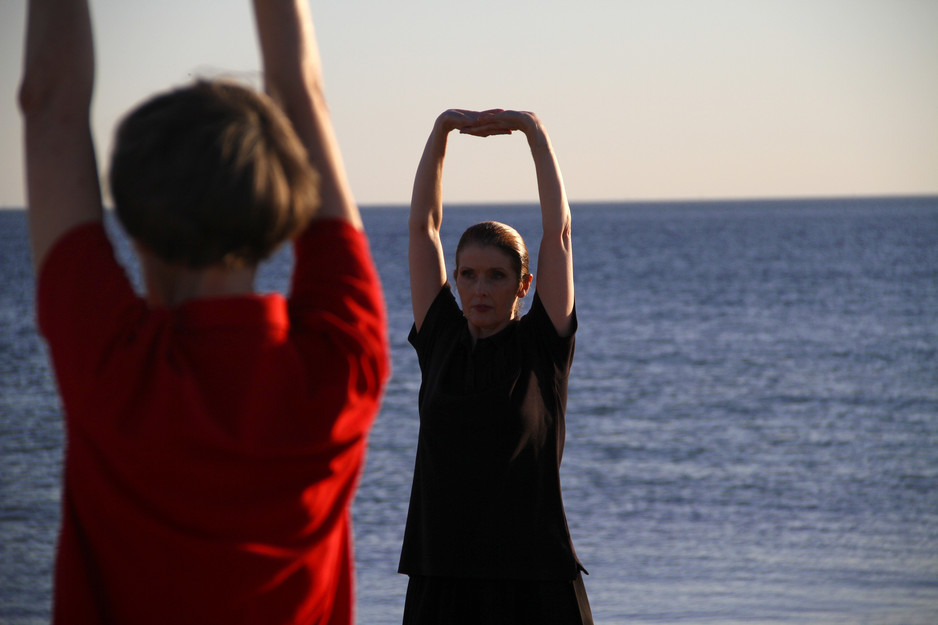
{"x":488,"y":288}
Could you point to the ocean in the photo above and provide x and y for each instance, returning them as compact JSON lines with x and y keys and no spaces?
{"x":752,"y":427}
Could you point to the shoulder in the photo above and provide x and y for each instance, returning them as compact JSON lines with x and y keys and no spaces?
{"x":539,"y":319}
{"x":79,"y":260}
{"x":324,"y":237}
{"x":541,"y":340}
{"x":443,"y":316}
{"x":89,"y":237}
{"x":84,"y":298}
{"x":334,"y":272}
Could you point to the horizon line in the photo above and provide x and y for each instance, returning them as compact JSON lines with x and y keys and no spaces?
{"x":640,"y":200}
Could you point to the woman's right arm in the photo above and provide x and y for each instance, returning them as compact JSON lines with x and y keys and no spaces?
{"x":425,"y":251}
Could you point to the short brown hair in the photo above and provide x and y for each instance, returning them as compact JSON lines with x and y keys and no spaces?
{"x":211,"y":173}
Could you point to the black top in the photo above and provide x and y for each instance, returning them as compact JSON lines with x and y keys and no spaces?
{"x":486,"y":499}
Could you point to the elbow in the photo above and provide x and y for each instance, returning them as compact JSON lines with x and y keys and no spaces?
{"x":33,"y":95}
{"x":561,"y":236}
{"x":44,"y":105}
{"x":421,"y":223}
{"x":567,"y":228}
{"x":559,"y":226}
{"x":45,"y":89}
{"x":417,"y":226}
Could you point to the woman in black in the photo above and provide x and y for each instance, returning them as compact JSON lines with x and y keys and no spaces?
{"x":486,"y":539}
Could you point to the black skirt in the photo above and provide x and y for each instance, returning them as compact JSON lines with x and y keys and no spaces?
{"x":451,"y":601}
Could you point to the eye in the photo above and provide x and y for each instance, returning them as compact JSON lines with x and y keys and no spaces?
{"x":466,"y":273}
{"x":498,"y":275}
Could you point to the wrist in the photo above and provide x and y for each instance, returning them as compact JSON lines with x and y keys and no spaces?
{"x":537,"y":138}
{"x":447,"y":122}
{"x":532,"y":128}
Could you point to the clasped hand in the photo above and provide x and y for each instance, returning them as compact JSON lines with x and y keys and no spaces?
{"x":487,"y":123}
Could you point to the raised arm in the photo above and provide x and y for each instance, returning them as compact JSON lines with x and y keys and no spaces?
{"x":555,"y":256}
{"x":425,"y":251}
{"x":62,"y":185}
{"x":293,"y":77}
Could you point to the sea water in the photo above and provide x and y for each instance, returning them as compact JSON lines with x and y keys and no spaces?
{"x":752,"y":427}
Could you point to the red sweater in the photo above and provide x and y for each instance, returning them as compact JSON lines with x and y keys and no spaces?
{"x":213,"y":449}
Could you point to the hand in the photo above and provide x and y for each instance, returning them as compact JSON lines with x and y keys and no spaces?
{"x":501,"y":122}
{"x":459,"y":119}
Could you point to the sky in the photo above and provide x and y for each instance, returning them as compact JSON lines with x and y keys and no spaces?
{"x":643,"y":99}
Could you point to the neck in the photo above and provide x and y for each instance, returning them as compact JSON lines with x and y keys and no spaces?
{"x":477,"y":332}
{"x":170,"y":285}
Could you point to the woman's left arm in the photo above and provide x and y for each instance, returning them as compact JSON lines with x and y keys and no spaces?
{"x":555,"y":257}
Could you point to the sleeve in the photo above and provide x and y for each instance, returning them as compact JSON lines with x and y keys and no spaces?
{"x":85,"y":304}
{"x":559,"y":349}
{"x":443,"y":312}
{"x":337,"y":314}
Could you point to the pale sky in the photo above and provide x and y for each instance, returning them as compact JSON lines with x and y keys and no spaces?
{"x":644,"y":99}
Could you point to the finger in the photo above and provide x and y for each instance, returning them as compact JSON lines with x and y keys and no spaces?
{"x":492,"y":124}
{"x":485,"y":132}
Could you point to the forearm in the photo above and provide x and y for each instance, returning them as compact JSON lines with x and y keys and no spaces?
{"x":425,"y":250}
{"x":55,"y":100}
{"x":555,"y":257}
{"x":555,"y":211}
{"x":426,"y":206}
{"x":293,"y":76}
{"x":58,"y":70}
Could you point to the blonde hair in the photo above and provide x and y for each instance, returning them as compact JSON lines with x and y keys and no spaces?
{"x":503,"y":237}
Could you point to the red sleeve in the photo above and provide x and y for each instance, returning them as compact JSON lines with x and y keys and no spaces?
{"x":84,"y":303}
{"x":337,"y":313}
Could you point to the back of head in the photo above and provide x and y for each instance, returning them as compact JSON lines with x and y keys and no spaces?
{"x":498,"y":235}
{"x":211,"y":173}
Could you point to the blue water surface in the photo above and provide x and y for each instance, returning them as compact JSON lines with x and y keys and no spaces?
{"x":752,"y":421}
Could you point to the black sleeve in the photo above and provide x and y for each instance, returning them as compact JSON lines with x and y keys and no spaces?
{"x":443,"y":312}
{"x":558,"y":348}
